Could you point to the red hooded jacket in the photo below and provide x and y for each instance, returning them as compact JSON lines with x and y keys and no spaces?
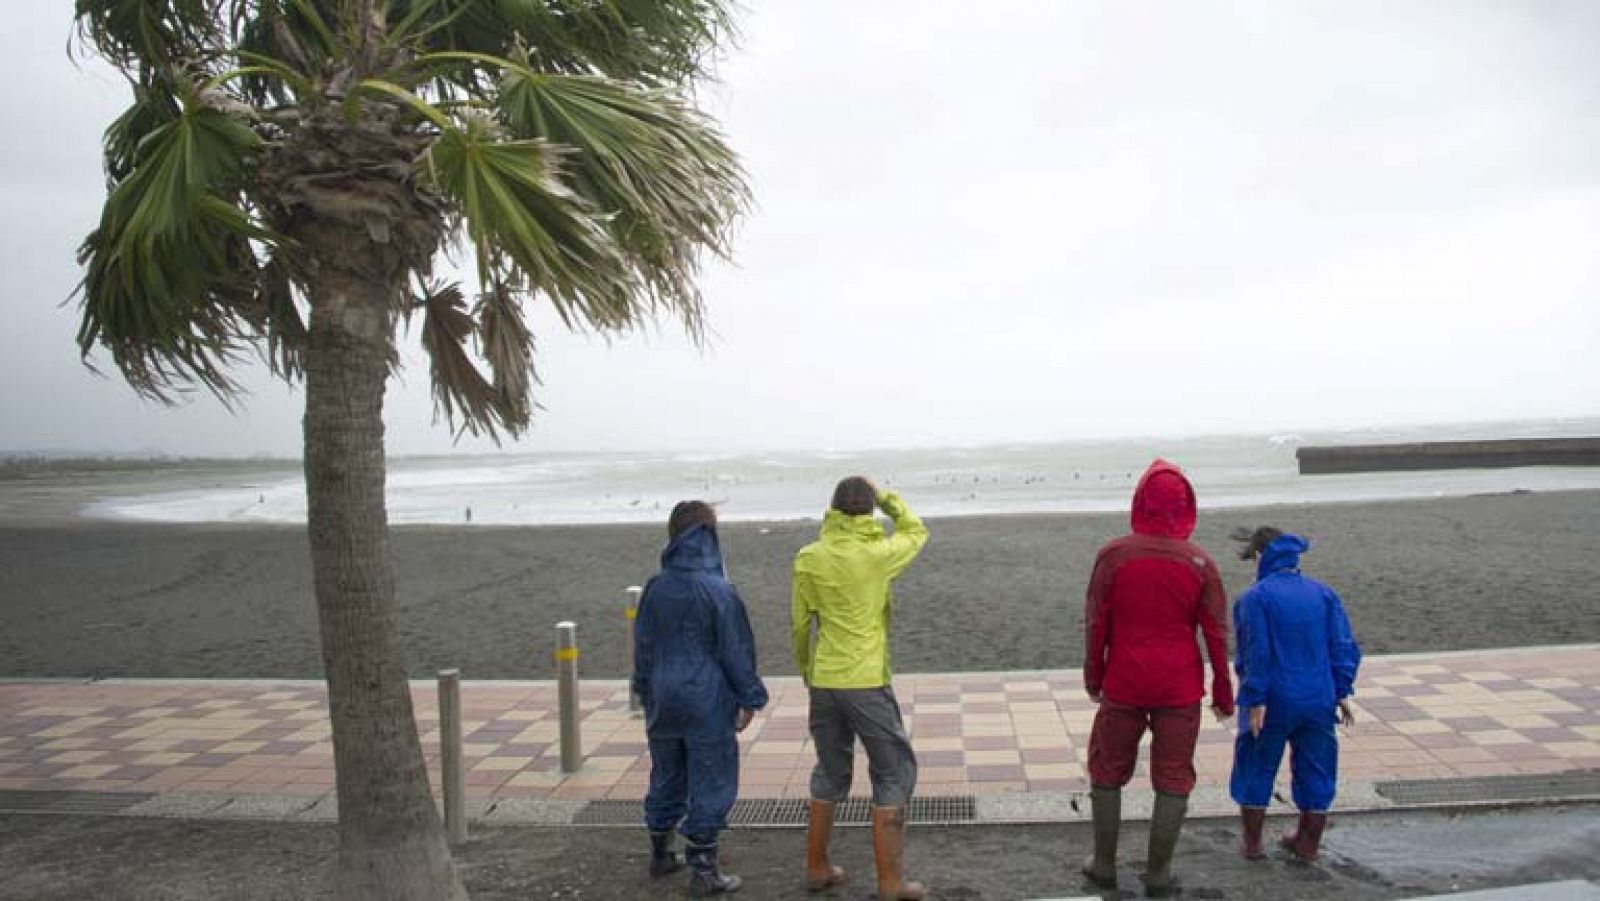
{"x":1149,"y":592}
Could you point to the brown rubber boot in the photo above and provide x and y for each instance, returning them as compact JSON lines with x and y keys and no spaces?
{"x":1306,"y":840}
{"x":1254,"y":820}
{"x":889,"y":847}
{"x":1166,"y":823}
{"x":1106,"y":806}
{"x":820,"y":874}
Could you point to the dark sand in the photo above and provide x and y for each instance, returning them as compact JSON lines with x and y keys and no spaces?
{"x":1367,"y":857}
{"x":87,"y":598}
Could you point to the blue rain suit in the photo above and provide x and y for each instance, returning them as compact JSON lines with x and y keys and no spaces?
{"x":694,"y":667}
{"x":1297,"y":656}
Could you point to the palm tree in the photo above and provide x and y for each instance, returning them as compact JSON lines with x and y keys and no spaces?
{"x":283,"y":182}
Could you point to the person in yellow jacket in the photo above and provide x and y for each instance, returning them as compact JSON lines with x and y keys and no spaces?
{"x":841,"y":611}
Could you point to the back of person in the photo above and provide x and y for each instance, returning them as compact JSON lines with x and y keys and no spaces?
{"x":1288,"y":629}
{"x":1149,"y":594}
{"x":694,"y":666}
{"x":1298,"y":609}
{"x":681,"y":611}
{"x":843,"y":580}
{"x":1153,"y":589}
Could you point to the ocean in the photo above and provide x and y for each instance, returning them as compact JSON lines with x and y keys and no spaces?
{"x":1082,"y":476}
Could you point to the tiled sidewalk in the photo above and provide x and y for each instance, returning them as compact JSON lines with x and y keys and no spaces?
{"x":1420,"y":717}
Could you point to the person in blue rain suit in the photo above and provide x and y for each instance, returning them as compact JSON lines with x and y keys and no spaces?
{"x":1297,"y":662}
{"x":694,"y":670}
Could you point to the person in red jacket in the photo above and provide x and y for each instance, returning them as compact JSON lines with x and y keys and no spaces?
{"x":1149,"y":592}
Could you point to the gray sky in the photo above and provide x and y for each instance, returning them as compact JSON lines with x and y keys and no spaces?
{"x":1038,"y":221}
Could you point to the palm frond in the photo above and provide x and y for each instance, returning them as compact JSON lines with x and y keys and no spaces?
{"x":172,"y":259}
{"x":507,"y":344}
{"x":149,"y":36}
{"x":531,"y":231}
{"x":654,"y":42}
{"x":661,"y":173}
{"x":460,"y":392}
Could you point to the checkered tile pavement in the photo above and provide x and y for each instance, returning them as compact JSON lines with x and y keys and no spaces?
{"x":1419,"y":717}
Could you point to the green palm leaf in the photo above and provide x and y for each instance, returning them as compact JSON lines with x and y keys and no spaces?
{"x":172,"y":258}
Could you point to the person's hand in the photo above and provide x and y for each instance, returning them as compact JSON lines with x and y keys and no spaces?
{"x":1347,"y":714}
{"x":1258,"y":719}
{"x":1093,"y":695}
{"x":1222,"y":715}
{"x":742,"y":721}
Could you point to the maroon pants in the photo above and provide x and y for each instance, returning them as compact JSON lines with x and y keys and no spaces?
{"x":1114,"y":745}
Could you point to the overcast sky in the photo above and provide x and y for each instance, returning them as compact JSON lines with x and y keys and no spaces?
{"x":1014,"y":220}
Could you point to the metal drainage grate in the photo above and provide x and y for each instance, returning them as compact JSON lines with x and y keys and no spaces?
{"x":1518,"y":787}
{"x":935,"y":811}
{"x":70,"y":802}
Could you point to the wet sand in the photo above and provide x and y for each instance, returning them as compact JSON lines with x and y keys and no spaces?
{"x":90,"y":598}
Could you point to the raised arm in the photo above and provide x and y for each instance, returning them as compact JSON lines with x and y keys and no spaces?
{"x":909,"y":533}
{"x":1343,"y":652}
{"x":1214,"y":628}
{"x":736,"y":650}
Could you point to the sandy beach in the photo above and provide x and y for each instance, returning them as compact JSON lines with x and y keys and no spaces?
{"x":102,"y":599}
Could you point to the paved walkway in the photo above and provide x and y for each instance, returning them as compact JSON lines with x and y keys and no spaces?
{"x":1420,"y":717}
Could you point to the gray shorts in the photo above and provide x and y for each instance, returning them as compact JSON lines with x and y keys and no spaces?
{"x":838,"y":716}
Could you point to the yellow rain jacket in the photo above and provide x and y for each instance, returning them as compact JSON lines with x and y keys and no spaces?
{"x":841,"y":581}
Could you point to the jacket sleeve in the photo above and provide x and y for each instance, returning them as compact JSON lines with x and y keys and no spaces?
{"x":1343,"y":652}
{"x":643,"y":650}
{"x":736,"y":651}
{"x":1214,"y":627}
{"x":1255,"y":651}
{"x":909,"y":533}
{"x":801,"y":608}
{"x":1097,"y":624}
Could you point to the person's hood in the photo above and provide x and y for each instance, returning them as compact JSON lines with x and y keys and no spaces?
{"x":836,"y":523}
{"x":1283,"y":553}
{"x":1164,"y":504}
{"x":695,"y":550}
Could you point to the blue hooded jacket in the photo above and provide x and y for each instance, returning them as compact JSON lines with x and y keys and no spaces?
{"x":1293,"y":640}
{"x":694,"y":655}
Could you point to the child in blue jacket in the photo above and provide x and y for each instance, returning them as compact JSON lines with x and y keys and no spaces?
{"x":694,"y":667}
{"x":1297,"y":662}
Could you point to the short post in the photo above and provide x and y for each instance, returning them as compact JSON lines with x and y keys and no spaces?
{"x":450,"y":753}
{"x":631,"y":612}
{"x":567,"y":674}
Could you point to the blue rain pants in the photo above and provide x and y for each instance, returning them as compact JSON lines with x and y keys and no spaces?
{"x":693,"y":784}
{"x":1313,"y":758}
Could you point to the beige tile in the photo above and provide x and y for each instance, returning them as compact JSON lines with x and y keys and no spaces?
{"x":1496,"y":737}
{"x":76,"y":757}
{"x":1396,"y":680}
{"x":500,"y":764}
{"x":1526,"y":721}
{"x":1419,"y":727}
{"x":1036,"y":742}
{"x":163,"y":758}
{"x":1053,"y":771}
{"x":91,"y":771}
{"x":239,"y":747}
{"x":535,"y":780}
{"x":992,"y":758}
{"x":1574,"y":748}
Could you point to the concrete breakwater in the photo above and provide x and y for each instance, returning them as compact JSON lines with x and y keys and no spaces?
{"x":1487,"y":454}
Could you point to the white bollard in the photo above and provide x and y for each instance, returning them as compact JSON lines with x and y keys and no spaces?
{"x":450,"y":755}
{"x":567,"y":674}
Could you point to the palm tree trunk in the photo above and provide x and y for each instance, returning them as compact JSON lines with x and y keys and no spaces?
{"x":391,"y":844}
